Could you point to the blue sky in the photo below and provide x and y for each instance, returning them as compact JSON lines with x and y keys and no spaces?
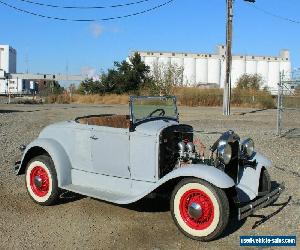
{"x":191,"y":25}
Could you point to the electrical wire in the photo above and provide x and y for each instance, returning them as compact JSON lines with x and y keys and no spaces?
{"x":86,"y":20}
{"x":275,"y":15}
{"x":84,"y":7}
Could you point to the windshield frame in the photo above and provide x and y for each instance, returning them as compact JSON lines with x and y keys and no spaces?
{"x":134,"y":121}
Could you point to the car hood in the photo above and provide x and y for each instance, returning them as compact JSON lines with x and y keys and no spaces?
{"x":154,"y":127}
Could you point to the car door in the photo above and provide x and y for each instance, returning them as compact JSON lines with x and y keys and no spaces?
{"x":110,"y":151}
{"x":80,"y":155}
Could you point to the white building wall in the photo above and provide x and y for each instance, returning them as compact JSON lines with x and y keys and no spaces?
{"x":273,"y":76}
{"x":213,"y":71}
{"x":164,"y":60}
{"x":3,"y":87}
{"x":201,"y":69}
{"x":151,"y":61}
{"x":238,"y":69}
{"x":285,"y":68}
{"x":263,"y":71}
{"x":251,"y":66}
{"x":189,"y":73}
{"x":4,"y":51}
{"x":8,"y":59}
{"x":222,"y":73}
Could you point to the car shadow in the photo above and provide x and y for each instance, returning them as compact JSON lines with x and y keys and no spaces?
{"x":234,"y":224}
{"x":264,"y":218}
{"x":68,"y":196}
{"x":151,"y":205}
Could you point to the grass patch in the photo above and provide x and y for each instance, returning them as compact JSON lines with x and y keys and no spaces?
{"x":185,"y":96}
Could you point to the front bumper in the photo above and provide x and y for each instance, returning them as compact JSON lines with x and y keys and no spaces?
{"x":251,"y":207}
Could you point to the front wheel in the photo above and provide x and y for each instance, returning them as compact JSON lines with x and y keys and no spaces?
{"x":199,"y":209}
{"x":41,"y":180}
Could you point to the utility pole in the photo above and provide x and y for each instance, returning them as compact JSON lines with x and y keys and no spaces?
{"x":227,"y":84}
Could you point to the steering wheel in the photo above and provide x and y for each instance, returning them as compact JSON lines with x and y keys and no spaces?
{"x":161,"y":113}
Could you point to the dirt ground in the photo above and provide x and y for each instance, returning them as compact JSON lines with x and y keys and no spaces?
{"x":84,"y":223}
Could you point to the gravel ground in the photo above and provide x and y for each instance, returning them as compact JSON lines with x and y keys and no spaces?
{"x":81,"y":222}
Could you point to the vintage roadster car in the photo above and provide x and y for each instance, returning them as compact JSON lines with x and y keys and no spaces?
{"x":122,"y":159}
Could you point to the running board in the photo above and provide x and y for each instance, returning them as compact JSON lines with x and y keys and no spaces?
{"x":250,"y":208}
{"x":105,"y":195}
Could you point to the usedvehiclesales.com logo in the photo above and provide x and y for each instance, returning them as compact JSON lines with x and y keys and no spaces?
{"x":268,"y":241}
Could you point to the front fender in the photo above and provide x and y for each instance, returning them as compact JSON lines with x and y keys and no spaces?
{"x":262,"y":160}
{"x":208,"y":173}
{"x":248,"y":184}
{"x":201,"y":171}
{"x":56,"y":152}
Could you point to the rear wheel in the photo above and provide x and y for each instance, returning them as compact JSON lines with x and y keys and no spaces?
{"x":199,"y":209}
{"x":41,"y":180}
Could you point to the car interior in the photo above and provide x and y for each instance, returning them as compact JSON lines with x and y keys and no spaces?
{"x":115,"y":121}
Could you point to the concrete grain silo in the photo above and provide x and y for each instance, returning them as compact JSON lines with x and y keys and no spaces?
{"x":208,"y":69}
{"x":201,"y":71}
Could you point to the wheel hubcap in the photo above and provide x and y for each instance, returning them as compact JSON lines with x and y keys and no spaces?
{"x":39,"y":181}
{"x":196,"y":209}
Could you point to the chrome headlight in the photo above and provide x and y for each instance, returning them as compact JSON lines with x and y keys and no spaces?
{"x":248,"y":147}
{"x":190,"y":147}
{"x":224,"y":153}
{"x":181,"y":146}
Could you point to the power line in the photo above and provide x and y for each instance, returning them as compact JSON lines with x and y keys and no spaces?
{"x":86,"y":20}
{"x":276,"y":15}
{"x":85,"y":7}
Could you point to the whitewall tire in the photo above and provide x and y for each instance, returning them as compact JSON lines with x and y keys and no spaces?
{"x":199,"y":209}
{"x":41,"y":180}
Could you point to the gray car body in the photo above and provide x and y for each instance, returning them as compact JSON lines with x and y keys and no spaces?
{"x":120,"y":166}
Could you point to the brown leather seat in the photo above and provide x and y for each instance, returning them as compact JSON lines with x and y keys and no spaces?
{"x":116,"y":121}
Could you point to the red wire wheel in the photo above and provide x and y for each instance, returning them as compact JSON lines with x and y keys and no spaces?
{"x":203,"y":202}
{"x":39,"y":181}
{"x":199,"y":209}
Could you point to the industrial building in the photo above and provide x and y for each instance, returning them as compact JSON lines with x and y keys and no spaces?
{"x":13,"y":83}
{"x":8,"y":64}
{"x":208,"y":69}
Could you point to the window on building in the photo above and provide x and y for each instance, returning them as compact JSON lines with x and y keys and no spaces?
{"x":173,"y":54}
{"x":241,"y":57}
{"x":253,"y":57}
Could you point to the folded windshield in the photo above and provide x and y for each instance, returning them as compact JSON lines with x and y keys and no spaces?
{"x":152,"y":107}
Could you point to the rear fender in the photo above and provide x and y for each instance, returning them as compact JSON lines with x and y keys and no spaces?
{"x":55,"y":151}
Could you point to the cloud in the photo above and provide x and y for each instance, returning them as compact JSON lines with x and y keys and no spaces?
{"x":96,"y":29}
{"x":89,"y":72}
